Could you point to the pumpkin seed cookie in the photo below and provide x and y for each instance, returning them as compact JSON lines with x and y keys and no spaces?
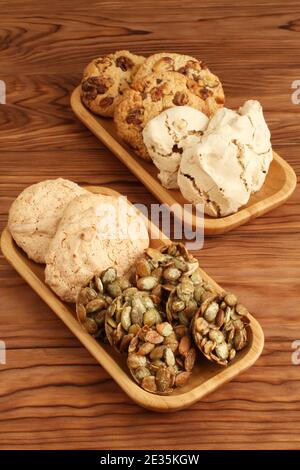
{"x":148,"y":98}
{"x":200,"y":80}
{"x":161,"y":359}
{"x":105,"y":79}
{"x":95,"y":298}
{"x":221,"y":328}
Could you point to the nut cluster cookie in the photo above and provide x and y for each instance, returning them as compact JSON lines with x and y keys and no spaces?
{"x":146,"y":99}
{"x":200,"y":80}
{"x":160,"y":314}
{"x":159,"y":360}
{"x":127,"y":314}
{"x":221,"y":328}
{"x":95,"y":298}
{"x":106,"y":78}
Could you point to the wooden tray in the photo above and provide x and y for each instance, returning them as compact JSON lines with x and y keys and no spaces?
{"x":206,"y":377}
{"x":279,"y":185}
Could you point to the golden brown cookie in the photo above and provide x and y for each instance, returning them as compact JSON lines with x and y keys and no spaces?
{"x":105,"y":79}
{"x":200,"y":80}
{"x":149,"y":97}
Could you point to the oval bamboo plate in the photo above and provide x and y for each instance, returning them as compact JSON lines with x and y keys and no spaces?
{"x":206,"y":376}
{"x":279,"y":185}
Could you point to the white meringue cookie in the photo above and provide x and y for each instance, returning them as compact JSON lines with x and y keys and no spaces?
{"x":211,"y":174}
{"x":230,"y":162}
{"x":168,"y":134}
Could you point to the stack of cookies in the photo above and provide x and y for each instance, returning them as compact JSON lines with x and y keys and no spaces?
{"x":76,"y":233}
{"x":134,"y":90}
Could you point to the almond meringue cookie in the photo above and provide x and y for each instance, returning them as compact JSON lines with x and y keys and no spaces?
{"x":96,"y":232}
{"x":168,"y":134}
{"x":229,"y":163}
{"x":35,"y":214}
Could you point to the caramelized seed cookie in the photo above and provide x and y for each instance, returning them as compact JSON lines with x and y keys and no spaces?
{"x":221,"y":328}
{"x":154,"y":364}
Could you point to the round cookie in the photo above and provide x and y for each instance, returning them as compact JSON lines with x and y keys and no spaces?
{"x":148,"y":98}
{"x":35,"y":214}
{"x":200,"y":80}
{"x":95,"y":233}
{"x":105,"y":79}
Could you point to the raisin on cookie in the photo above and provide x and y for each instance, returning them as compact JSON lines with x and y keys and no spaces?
{"x":106,"y":78}
{"x":200,"y":80}
{"x":145,"y":100}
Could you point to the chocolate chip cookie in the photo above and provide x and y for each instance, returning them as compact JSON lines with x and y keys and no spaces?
{"x":106,"y":78}
{"x":200,"y":80}
{"x":146,"y":99}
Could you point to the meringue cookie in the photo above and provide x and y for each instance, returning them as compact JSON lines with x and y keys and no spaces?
{"x":210,"y":173}
{"x":168,"y":134}
{"x":249,"y":129}
{"x":35,"y":214}
{"x":96,"y":232}
{"x":229,"y":163}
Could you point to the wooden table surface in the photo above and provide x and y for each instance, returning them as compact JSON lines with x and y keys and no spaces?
{"x":52,"y":392}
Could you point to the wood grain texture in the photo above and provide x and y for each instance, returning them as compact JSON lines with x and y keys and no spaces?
{"x":53,"y":394}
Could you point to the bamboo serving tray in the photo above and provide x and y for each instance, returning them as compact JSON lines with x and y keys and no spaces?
{"x":206,"y":376}
{"x":278,"y":187}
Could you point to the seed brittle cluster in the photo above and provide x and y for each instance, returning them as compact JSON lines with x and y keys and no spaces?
{"x":159,"y":314}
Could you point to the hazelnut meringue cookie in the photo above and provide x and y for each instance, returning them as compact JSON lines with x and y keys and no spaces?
{"x":168,"y":134}
{"x":229,"y":163}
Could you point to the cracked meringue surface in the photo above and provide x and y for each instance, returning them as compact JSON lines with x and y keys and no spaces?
{"x":229,"y":163}
{"x":168,"y":134}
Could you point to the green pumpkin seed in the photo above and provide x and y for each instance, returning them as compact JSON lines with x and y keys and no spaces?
{"x":136,"y":317}
{"x":134,"y":361}
{"x":178,"y":305}
{"x":171,"y":274}
{"x":150,"y":317}
{"x":211,"y":312}
{"x":114,"y":289}
{"x":222,"y":351}
{"x":163,"y":379}
{"x":95,"y":305}
{"x":146,"y":283}
{"x":157,"y":353}
{"x":149,"y":384}
{"x":164,"y":329}
{"x":230,"y":300}
{"x":169,"y":357}
{"x":90,"y":325}
{"x":109,"y":275}
{"x":125,"y":318}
